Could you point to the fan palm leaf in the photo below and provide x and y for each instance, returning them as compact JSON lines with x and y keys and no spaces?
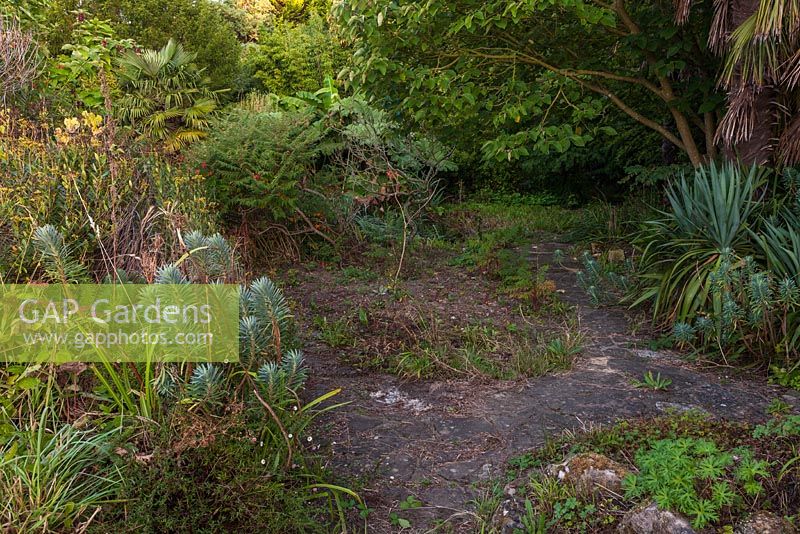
{"x":165,"y":99}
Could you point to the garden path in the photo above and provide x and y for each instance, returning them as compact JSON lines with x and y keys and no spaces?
{"x":443,"y":441}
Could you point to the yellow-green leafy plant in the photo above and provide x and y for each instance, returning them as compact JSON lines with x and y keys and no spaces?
{"x":695,"y":477}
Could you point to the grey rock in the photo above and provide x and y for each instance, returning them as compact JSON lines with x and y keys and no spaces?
{"x":765,"y":523}
{"x":591,"y":474}
{"x":649,"y":519}
{"x":506,"y":519}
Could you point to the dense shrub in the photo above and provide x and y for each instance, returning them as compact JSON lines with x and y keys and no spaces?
{"x":330,"y":165}
{"x":252,"y":172}
{"x":293,"y":57}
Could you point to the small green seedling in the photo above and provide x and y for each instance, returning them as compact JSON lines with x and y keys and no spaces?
{"x":655,"y":382}
{"x":410,"y":503}
{"x":398,"y":521}
{"x":363,"y":317}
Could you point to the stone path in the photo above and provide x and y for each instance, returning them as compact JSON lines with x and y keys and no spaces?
{"x":437,"y":440}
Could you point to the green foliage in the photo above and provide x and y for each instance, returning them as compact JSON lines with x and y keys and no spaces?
{"x":528,"y":213}
{"x":21,"y":394}
{"x":76,"y":75}
{"x":303,"y":10}
{"x":573,"y":514}
{"x":221,"y":486}
{"x":715,"y":204}
{"x":59,"y":173}
{"x":702,"y":269}
{"x":789,"y":378}
{"x":289,"y":58}
{"x":481,"y":251}
{"x":708,"y":220}
{"x":780,"y":242}
{"x":335,"y":333}
{"x":551,"y":505}
{"x":778,"y":407}
{"x":164,"y":98}
{"x":781,"y":426}
{"x":211,"y":258}
{"x":264,"y":334}
{"x":497,"y":253}
{"x":206,"y":385}
{"x":198,"y":25}
{"x":512,"y":75}
{"x":683,"y":461}
{"x":248,"y":170}
{"x":655,"y":175}
{"x":280,"y":382}
{"x":601,"y":222}
{"x":264,"y":323}
{"x":605,"y":282}
{"x":750,"y":311}
{"x":549,"y":355}
{"x":695,"y":477}
{"x":332,"y":166}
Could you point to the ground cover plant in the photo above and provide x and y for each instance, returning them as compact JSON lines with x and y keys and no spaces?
{"x":714,"y":472}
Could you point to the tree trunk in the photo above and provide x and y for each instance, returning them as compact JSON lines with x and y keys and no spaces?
{"x":759,"y":146}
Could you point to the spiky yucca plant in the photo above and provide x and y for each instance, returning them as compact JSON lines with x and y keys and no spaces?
{"x":709,"y":217}
{"x":780,"y":242}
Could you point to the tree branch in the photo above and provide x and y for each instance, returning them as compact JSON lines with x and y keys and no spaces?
{"x":599,"y":89}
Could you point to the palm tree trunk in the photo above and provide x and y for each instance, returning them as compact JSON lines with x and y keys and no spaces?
{"x":759,"y":146}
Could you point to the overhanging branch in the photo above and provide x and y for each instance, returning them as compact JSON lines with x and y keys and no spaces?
{"x":575,"y":76}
